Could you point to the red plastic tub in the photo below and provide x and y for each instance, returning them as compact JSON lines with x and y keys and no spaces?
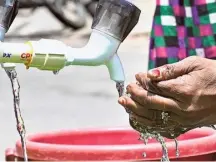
{"x":120,"y":144}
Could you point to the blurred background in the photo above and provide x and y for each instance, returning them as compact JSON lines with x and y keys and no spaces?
{"x":78,"y":97}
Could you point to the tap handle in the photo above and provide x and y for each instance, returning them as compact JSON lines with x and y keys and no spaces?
{"x":116,"y":18}
{"x":8,"y":12}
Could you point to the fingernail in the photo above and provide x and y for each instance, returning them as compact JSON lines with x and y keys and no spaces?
{"x":122,"y":101}
{"x":154,"y":73}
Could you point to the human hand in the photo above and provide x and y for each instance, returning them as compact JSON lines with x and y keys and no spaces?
{"x":185,"y":90}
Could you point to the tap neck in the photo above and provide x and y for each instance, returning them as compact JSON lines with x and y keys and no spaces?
{"x":99,"y":49}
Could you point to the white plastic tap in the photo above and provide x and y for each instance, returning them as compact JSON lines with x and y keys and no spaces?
{"x":113,"y":21}
{"x":54,"y":55}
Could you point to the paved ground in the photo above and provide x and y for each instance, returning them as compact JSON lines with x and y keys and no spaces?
{"x":79,"y":97}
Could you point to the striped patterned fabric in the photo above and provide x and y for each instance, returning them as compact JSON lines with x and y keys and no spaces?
{"x":182,"y":28}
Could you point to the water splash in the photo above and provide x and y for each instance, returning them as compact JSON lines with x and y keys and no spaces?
{"x":12,"y":74}
{"x":147,"y":133}
{"x":165,"y":117}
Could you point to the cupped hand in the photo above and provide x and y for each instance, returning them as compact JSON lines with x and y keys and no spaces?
{"x":185,"y":90}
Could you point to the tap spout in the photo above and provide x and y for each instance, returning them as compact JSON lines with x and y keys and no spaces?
{"x":115,"y":69}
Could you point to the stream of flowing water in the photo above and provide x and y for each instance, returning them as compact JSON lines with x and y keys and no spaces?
{"x":12,"y":74}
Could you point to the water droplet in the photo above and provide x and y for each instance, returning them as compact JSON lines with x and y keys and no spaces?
{"x":146,"y":141}
{"x":165,"y":117}
{"x":56,"y":72}
{"x":177,"y":147}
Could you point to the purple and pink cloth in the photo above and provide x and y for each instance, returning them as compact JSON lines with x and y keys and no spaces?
{"x":182,"y":28}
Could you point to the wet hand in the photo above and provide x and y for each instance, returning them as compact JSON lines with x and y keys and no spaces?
{"x":186,"y":91}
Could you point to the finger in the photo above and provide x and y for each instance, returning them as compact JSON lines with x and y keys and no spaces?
{"x":157,"y":124}
{"x":142,"y":120}
{"x":151,"y":101}
{"x":141,"y":78}
{"x":148,"y":85}
{"x":153,"y":87}
{"x":144,"y":81}
{"x":148,"y":114}
{"x":171,"y":71}
{"x":144,"y":126}
{"x":169,"y":88}
{"x":177,"y":89}
{"x":136,"y":108}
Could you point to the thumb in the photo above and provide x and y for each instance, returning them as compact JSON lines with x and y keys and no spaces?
{"x":170,"y":71}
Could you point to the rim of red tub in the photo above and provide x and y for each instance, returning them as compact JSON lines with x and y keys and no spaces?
{"x":206,"y":145}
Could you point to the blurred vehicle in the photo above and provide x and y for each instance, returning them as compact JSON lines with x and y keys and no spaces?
{"x":71,"y":13}
{"x":90,"y":6}
{"x":31,"y":4}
